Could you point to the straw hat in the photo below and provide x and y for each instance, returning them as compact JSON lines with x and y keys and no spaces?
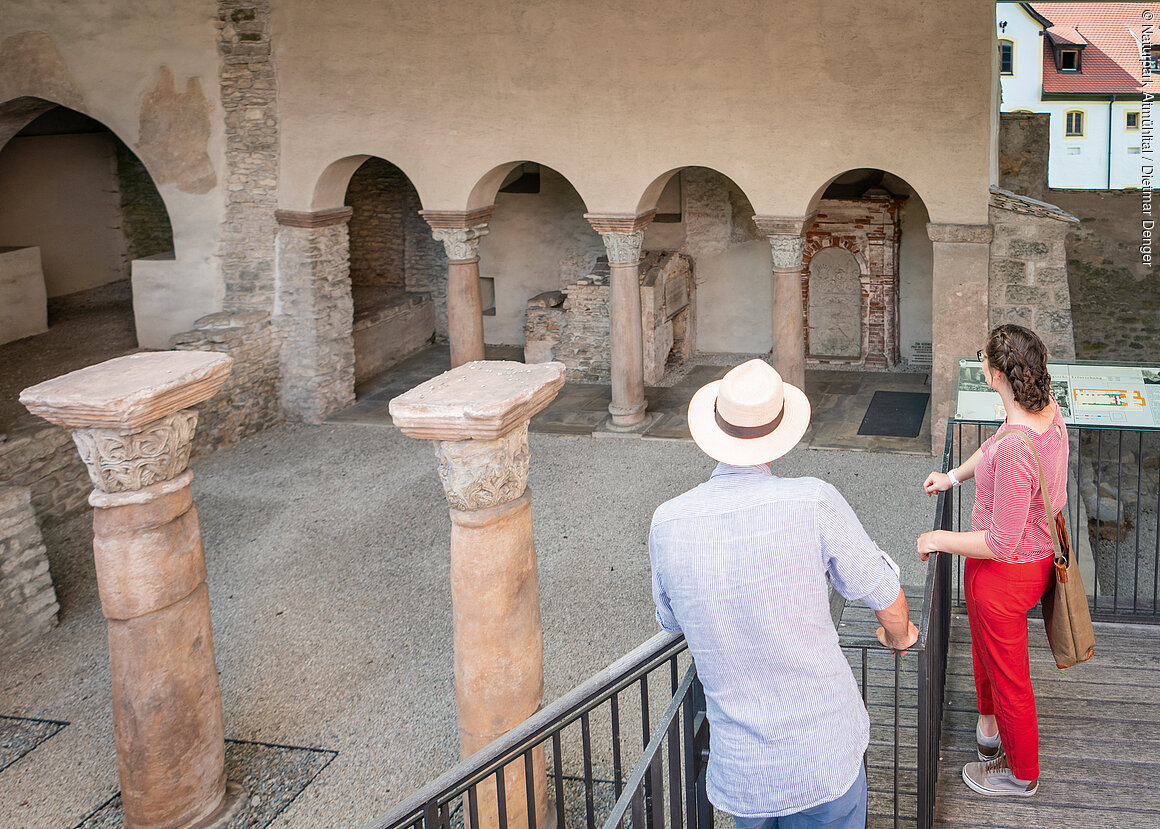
{"x":749,"y":416}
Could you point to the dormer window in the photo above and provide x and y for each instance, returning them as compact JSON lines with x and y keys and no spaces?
{"x":1069,"y":60}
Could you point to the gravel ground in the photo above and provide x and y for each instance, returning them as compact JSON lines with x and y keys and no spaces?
{"x":328,"y":561}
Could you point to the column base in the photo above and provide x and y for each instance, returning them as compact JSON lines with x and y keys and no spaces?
{"x":234,"y":801}
{"x":611,"y":429}
{"x":626,"y":417}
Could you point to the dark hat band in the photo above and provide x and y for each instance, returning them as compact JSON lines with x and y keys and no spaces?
{"x":747,"y":432}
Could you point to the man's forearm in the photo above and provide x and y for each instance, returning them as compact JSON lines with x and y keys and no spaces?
{"x":895,"y":619}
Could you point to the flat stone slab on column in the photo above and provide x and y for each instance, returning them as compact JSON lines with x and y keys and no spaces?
{"x":129,"y":392}
{"x":482,"y":400}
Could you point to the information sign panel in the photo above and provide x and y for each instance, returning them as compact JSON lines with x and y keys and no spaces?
{"x":1089,"y":394}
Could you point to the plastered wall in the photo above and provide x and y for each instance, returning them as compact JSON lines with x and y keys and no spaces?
{"x":780,"y":97}
{"x":147,"y":71}
{"x":60,"y":194}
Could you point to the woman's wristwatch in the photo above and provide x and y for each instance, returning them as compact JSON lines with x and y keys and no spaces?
{"x":954,"y":481}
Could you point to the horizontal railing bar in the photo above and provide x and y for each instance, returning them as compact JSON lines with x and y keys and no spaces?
{"x":554,"y":717}
{"x":636,"y":778}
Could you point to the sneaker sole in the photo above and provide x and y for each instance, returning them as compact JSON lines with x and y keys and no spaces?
{"x":998,"y":792}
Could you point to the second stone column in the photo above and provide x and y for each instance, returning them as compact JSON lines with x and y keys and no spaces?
{"x":478,"y":415}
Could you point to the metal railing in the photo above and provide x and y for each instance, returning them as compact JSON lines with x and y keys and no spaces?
{"x":1112,"y":509}
{"x":590,"y":732}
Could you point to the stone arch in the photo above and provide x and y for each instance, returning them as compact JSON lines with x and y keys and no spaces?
{"x":705,"y":216}
{"x":90,"y":206}
{"x":538,"y":244}
{"x":880,"y":220}
{"x":397,"y":271}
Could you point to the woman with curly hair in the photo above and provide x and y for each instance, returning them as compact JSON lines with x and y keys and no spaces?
{"x":1009,"y":555}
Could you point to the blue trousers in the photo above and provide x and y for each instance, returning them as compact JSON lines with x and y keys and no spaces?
{"x":847,"y":812}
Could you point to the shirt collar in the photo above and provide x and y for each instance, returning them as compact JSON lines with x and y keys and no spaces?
{"x":724,"y":469}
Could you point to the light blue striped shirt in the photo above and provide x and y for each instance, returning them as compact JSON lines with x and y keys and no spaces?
{"x":740,"y":565}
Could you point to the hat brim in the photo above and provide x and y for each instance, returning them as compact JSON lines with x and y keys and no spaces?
{"x":747,"y":451}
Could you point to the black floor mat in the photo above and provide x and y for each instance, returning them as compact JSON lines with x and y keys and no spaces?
{"x":895,"y":414}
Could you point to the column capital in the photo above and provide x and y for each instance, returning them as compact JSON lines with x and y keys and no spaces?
{"x":315,"y":218}
{"x":784,"y":225}
{"x":481,"y":474}
{"x":461,"y":244}
{"x":975,"y":234}
{"x":787,"y":252}
{"x":157,"y":453}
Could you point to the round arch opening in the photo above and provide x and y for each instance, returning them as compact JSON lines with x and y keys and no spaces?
{"x":79,"y":212}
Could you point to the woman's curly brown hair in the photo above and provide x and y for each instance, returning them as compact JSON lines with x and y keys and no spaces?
{"x":1022,"y":357}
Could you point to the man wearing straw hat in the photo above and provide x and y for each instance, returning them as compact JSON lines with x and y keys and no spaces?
{"x":741,"y":565}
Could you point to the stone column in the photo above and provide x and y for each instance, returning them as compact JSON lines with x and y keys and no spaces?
{"x":460,"y":232}
{"x":787,"y":245}
{"x":133,"y":428}
{"x":959,"y":286}
{"x":478,"y":415}
{"x":317,"y":313}
{"x":623,"y":239}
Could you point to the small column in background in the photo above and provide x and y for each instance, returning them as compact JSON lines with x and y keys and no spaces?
{"x":460,"y":231}
{"x":134,"y":427}
{"x":787,"y":245}
{"x":623,"y":239}
{"x":478,"y":416}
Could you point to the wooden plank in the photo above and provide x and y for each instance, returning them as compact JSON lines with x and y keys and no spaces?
{"x":1099,"y":737}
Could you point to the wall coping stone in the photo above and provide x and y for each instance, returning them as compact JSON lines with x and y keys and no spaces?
{"x":1016,"y":203}
{"x":316,"y":218}
{"x":129,"y":392}
{"x":480,"y":400}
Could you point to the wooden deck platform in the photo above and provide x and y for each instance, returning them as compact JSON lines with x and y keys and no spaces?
{"x":1099,"y":737}
{"x":1099,"y":734}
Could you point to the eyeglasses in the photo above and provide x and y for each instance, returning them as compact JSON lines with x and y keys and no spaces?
{"x":980,"y":355}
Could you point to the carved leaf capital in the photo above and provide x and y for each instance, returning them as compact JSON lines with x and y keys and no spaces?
{"x":460,"y":243}
{"x":623,"y":248}
{"x":477,"y":474}
{"x":119,"y":462}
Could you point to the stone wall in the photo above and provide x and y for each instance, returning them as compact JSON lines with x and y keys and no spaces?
{"x":1028,"y":272}
{"x":1024,"y":140}
{"x":249,"y":401}
{"x":572,"y":325}
{"x":144,"y":219}
{"x":389,"y":325}
{"x":317,"y":366}
{"x":249,"y":97}
{"x":425,"y":265}
{"x":41,"y":457}
{"x":28,"y":605}
{"x":380,"y":196}
{"x":1115,"y":297}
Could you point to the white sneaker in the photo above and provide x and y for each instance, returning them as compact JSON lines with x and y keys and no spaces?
{"x":996,"y":779}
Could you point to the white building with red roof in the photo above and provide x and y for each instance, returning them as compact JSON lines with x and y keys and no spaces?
{"x":1089,"y":66}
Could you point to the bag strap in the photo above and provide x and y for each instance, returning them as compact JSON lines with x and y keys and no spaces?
{"x":1055,"y":543}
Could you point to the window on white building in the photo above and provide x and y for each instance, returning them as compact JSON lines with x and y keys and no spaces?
{"x":1069,"y":60}
{"x":1131,"y":120}
{"x":1006,"y":57}
{"x":1133,"y":150}
{"x":1073,"y":150}
{"x":1074,"y":126}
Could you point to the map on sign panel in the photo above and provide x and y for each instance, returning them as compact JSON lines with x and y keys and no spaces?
{"x":1088,"y":394}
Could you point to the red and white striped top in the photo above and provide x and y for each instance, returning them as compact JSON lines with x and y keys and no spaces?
{"x":1008,"y":505}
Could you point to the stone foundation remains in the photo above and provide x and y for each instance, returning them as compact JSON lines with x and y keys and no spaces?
{"x":572,"y":326}
{"x":1028,"y":272}
{"x":248,"y":402}
{"x":41,"y":458}
{"x":28,"y":605}
{"x":389,"y":324}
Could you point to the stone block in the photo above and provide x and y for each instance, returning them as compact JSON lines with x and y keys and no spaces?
{"x":23,"y":298}
{"x":1010,"y":271}
{"x":28,"y":605}
{"x":1021,"y":249}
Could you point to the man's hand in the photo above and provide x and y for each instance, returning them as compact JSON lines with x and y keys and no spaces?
{"x":898,"y":643}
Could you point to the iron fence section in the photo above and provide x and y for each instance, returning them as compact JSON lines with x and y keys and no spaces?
{"x":1111,"y":511}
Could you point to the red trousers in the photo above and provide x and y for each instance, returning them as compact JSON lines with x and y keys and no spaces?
{"x":998,"y":598}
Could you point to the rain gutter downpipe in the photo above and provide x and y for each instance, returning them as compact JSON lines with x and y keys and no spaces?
{"x":1111,"y":101}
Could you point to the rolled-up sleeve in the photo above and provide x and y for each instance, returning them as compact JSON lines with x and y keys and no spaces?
{"x":858,"y":569}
